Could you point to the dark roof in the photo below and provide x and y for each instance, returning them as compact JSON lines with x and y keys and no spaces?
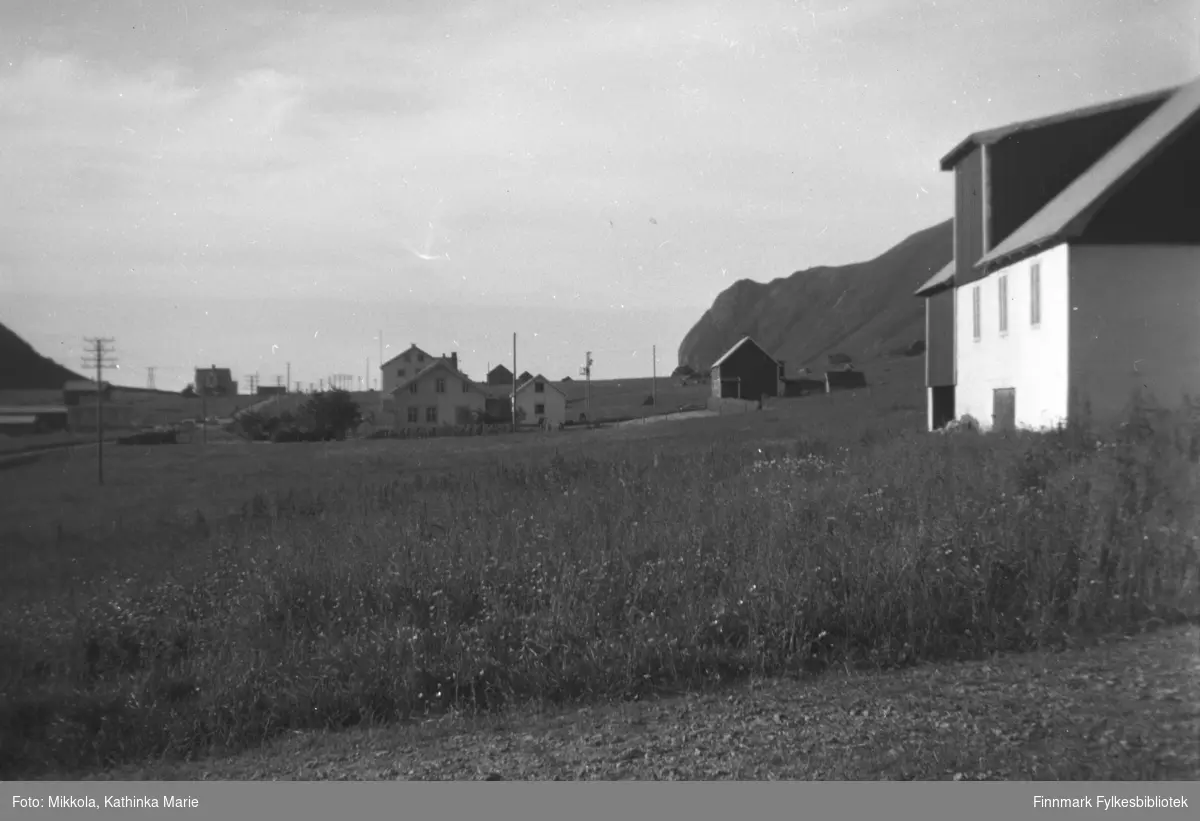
{"x":1067,"y":214}
{"x":538,"y":378}
{"x":436,"y":364}
{"x":744,"y":340}
{"x":994,"y":135}
{"x":84,"y":385}
{"x":942,"y":279}
{"x":407,"y":350}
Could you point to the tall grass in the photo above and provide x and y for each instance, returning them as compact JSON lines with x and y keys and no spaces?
{"x":603,"y":574}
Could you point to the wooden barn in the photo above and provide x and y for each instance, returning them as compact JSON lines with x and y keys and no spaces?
{"x":745,"y":371}
{"x":1076,"y":273}
{"x":500,"y":375}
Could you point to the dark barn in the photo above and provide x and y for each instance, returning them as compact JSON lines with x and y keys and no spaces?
{"x":746,"y":371}
{"x":500,"y":375}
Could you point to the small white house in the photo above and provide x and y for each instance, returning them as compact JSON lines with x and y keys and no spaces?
{"x":1076,"y":277}
{"x":541,"y":401}
{"x":437,"y":396}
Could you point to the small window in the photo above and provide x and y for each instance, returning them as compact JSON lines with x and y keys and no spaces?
{"x":412,"y":388}
{"x":465,"y":387}
{"x":1002,"y":287}
{"x":412,"y":415}
{"x":539,"y":410}
{"x":1035,"y":294}
{"x":431,"y":414}
{"x":539,"y":387}
{"x":975,"y":318}
{"x":400,"y":372}
{"x":441,"y":386}
{"x":420,"y":357}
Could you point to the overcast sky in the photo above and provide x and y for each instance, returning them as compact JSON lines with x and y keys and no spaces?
{"x":256,"y":182}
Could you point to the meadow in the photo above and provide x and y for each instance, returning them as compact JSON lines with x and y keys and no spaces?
{"x":215,"y":599}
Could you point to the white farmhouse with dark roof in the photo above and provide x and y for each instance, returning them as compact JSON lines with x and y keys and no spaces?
{"x":1076,"y":271}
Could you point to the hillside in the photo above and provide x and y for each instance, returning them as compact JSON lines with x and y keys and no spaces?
{"x":23,"y":368}
{"x":866,"y":309}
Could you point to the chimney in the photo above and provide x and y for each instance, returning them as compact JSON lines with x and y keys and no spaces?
{"x":454,"y":360}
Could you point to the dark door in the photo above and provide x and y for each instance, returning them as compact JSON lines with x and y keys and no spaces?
{"x":1004,"y":409}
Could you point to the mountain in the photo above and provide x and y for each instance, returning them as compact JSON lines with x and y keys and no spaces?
{"x":23,"y":368}
{"x":866,"y":309}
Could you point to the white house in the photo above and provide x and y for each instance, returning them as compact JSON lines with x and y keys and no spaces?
{"x":541,"y":401}
{"x":436,"y":396}
{"x":405,"y":365}
{"x":1076,"y":277}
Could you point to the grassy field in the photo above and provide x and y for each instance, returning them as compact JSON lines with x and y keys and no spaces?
{"x":215,"y":599}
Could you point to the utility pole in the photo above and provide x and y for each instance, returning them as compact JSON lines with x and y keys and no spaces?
{"x":586,"y":371}
{"x":514,"y":384}
{"x":289,"y":374}
{"x":150,"y":377}
{"x":210,"y":382}
{"x":654,"y":372}
{"x":278,"y":380}
{"x":320,"y":386}
{"x":99,"y":357}
{"x":367,"y":376}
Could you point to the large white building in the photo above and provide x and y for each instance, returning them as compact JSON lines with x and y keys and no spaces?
{"x":1076,"y":271}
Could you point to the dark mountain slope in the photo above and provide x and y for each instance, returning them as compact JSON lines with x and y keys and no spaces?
{"x":23,"y":368}
{"x":866,"y":309}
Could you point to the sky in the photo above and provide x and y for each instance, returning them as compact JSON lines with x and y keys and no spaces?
{"x":259,"y":184}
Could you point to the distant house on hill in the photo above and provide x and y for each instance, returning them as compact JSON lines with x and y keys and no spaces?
{"x":745,"y":371}
{"x":80,"y":390}
{"x":215,"y":382}
{"x":438,"y":395}
{"x":408,"y":363}
{"x":1074,"y":282}
{"x":542,"y":401}
{"x":524,"y":377}
{"x":499,"y":375}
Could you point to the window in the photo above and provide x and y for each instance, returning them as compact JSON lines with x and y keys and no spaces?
{"x":400,"y":372}
{"x":465,"y":386}
{"x":431,"y":415}
{"x":539,"y":410}
{"x":1035,"y":294}
{"x":1002,"y":285}
{"x":975,"y":330}
{"x":412,"y":388}
{"x":420,"y":357}
{"x":441,"y":386}
{"x":412,"y":415}
{"x":539,"y":387}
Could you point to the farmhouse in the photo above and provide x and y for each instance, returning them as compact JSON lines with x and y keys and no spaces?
{"x":500,"y":375}
{"x":1076,"y":271}
{"x":541,"y":401}
{"x":438,"y":395}
{"x":223,"y":379}
{"x":404,"y":366}
{"x":745,"y":371}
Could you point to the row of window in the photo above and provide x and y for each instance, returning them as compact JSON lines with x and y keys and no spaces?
{"x":431,"y":413}
{"x":1035,"y":302}
{"x":439,"y":386}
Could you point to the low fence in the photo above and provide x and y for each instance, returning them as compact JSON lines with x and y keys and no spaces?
{"x":728,"y":406}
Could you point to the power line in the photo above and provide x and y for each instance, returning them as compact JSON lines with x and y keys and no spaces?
{"x":99,"y":356}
